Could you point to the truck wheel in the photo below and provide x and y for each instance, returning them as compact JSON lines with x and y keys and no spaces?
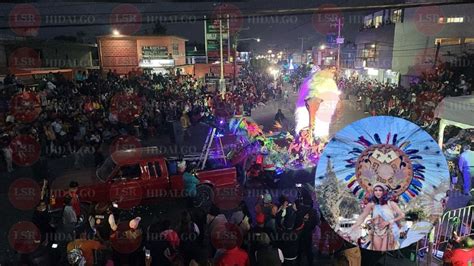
{"x":204,"y":197}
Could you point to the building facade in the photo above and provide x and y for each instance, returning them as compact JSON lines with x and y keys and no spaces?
{"x":430,"y":36}
{"x":25,"y":54}
{"x":154,"y":54}
{"x":375,"y":44}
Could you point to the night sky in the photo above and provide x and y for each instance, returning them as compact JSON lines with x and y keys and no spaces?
{"x":180,"y":19}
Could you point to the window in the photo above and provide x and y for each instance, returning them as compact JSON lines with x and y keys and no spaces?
{"x":175,"y":49}
{"x":154,"y":169}
{"x":455,"y":20}
{"x":368,"y":20}
{"x":469,"y":40}
{"x":368,"y":51}
{"x":443,"y":20}
{"x":397,"y":15}
{"x":448,"y":41}
{"x":129,"y":171}
{"x":378,"y":21}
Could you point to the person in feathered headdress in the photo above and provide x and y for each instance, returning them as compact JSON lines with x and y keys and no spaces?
{"x":384,"y":230}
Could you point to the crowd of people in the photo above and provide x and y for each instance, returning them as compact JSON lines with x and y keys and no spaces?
{"x":92,"y":110}
{"x":415,"y":103}
{"x":274,"y":232}
{"x":89,"y":111}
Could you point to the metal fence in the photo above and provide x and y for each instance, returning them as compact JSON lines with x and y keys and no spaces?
{"x":458,"y":220}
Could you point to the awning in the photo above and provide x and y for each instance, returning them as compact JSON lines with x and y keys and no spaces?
{"x":455,"y":111}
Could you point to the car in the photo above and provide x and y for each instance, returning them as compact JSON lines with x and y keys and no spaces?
{"x":139,"y":176}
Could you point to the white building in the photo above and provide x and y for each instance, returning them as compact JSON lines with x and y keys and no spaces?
{"x":375,"y":44}
{"x":422,"y":28}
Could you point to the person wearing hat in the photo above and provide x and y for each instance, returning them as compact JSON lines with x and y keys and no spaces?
{"x":385,"y":214}
{"x":466,"y":166}
{"x":268,"y":209}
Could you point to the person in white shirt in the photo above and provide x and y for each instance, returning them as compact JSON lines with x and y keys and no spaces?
{"x":7,"y":152}
{"x":466,"y":166}
{"x":69,"y":215}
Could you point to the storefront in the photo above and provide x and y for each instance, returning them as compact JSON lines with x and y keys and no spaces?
{"x":153,"y":54}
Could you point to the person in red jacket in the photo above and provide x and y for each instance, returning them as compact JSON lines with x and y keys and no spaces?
{"x":465,"y":255}
{"x":235,"y":257}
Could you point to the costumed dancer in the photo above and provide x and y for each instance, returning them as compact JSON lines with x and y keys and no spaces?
{"x":384,"y":230}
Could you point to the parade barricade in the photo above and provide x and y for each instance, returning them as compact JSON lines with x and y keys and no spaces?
{"x":458,"y":220}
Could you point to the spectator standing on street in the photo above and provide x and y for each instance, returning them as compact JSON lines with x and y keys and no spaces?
{"x":268,"y":209}
{"x":310,"y":219}
{"x":42,"y":220}
{"x":7,"y":153}
{"x":234,"y":256}
{"x":69,"y":218}
{"x":188,"y":233}
{"x":102,"y":221}
{"x":190,"y":182}
{"x":185,"y":123}
{"x":88,"y":247}
{"x":288,"y":238}
{"x":466,"y":166}
{"x":72,"y":194}
{"x":214,"y":219}
{"x":252,"y":239}
{"x":241,"y":218}
{"x":267,"y":254}
{"x":280,"y":117}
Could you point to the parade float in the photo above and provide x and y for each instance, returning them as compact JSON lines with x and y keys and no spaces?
{"x":279,"y":155}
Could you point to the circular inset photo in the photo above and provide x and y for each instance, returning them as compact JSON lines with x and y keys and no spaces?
{"x":380,"y":183}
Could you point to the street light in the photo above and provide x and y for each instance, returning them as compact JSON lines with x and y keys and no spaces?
{"x":322,"y":47}
{"x":115,"y":32}
{"x":269,"y":51}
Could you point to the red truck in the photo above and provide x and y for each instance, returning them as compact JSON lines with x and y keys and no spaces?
{"x":140,"y":176}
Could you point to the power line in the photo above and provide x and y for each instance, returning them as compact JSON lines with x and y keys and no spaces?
{"x":260,"y":13}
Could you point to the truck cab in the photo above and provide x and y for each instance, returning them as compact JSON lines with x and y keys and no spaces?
{"x":143,"y":175}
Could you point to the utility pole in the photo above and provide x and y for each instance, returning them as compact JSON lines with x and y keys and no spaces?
{"x":338,"y":44}
{"x":221,"y":80}
{"x":235,"y":56}
{"x":205,"y":39}
{"x":302,"y":47}
{"x":436,"y":55}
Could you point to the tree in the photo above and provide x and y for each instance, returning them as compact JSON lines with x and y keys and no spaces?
{"x":159,"y":29}
{"x":330,"y":197}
